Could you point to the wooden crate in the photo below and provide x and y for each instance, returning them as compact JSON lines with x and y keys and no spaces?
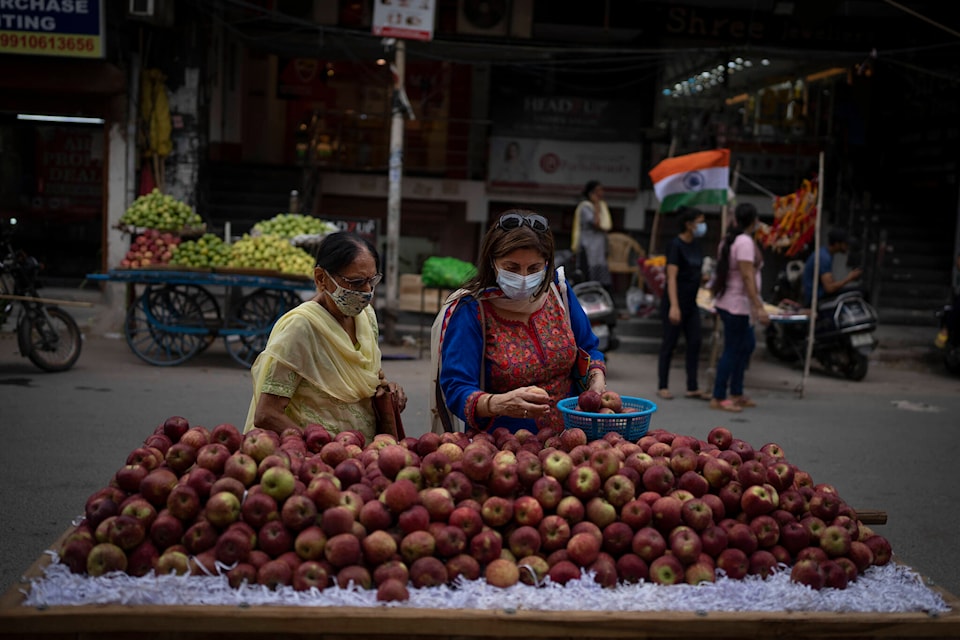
{"x":112,"y":622}
{"x":416,"y":298}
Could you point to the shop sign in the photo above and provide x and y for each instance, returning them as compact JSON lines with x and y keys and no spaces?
{"x":562,"y":165}
{"x":364,"y":227}
{"x":63,"y":28}
{"x":69,"y":171}
{"x":569,"y":117}
{"x":408,"y":19}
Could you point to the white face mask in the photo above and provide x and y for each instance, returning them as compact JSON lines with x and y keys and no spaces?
{"x":518,"y":287}
{"x":700,"y":230}
{"x":350,"y":302}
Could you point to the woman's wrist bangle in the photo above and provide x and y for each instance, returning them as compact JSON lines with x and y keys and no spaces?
{"x":487,"y":408}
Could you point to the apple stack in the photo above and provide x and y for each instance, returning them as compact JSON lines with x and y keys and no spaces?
{"x":150,"y":248}
{"x":311,"y":509}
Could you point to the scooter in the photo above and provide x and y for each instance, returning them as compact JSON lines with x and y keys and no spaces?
{"x":595,"y":300}
{"x":843,"y":334}
{"x":948,"y":339}
{"x":598,"y":305}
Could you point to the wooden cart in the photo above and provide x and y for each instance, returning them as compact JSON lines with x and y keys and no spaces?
{"x":108,"y":622}
{"x":176,"y":314}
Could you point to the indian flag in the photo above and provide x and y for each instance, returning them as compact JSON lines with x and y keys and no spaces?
{"x":696,"y":178}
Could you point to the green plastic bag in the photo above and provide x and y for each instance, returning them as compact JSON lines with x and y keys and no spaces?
{"x":446,"y":273}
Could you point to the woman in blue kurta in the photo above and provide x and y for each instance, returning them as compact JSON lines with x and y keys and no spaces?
{"x":512,"y":369}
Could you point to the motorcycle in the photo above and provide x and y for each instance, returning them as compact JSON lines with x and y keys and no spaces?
{"x":46,"y":334}
{"x":843,"y":334}
{"x":948,"y":339}
{"x":595,"y":300}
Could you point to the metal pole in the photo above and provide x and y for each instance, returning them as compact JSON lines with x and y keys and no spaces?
{"x":393,"y":196}
{"x":816,"y":279}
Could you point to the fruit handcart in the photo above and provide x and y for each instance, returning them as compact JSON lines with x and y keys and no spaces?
{"x":173,"y":315}
{"x":179,"y":265}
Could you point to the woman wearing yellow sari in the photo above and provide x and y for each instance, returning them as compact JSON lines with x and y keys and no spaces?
{"x":322,"y":362}
{"x":591,"y":223}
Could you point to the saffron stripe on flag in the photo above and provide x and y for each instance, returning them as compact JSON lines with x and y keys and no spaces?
{"x":692,"y":179}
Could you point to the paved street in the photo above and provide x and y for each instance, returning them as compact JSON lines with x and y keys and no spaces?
{"x":887,"y":443}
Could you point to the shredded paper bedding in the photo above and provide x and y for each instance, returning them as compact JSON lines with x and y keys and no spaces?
{"x":893,"y":588}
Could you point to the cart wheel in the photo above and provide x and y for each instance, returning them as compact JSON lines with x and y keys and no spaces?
{"x":164,"y":327}
{"x":255,"y":316}
{"x":209,"y":310}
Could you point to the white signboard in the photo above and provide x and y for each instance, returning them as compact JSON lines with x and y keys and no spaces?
{"x":561,"y":165}
{"x":410,"y":19}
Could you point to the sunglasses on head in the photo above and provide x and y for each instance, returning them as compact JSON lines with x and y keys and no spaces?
{"x":510,"y":221}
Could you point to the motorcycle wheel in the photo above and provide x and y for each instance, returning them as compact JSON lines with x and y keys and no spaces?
{"x":53,"y":346}
{"x":856,"y":366}
{"x":778,"y":345}
{"x":951,"y":358}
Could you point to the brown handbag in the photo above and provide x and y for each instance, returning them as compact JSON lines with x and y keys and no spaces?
{"x":386,"y":406}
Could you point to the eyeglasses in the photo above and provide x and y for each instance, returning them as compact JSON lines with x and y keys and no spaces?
{"x":356,"y":283}
{"x":510,"y":221}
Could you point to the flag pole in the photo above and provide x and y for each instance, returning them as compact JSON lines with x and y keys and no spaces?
{"x":816,"y":279}
{"x":655,"y":228}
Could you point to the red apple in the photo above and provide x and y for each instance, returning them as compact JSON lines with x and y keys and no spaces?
{"x":589,"y":401}
{"x":157,"y":485}
{"x":734,"y":562}
{"x":667,"y":513}
{"x":808,"y":572}
{"x":183,"y":502}
{"x":766,"y":529}
{"x":554,"y":532}
{"x":242,"y":467}
{"x":648,"y":544}
{"x":713,"y":540}
{"x":761,"y":563}
{"x":666,"y":570}
{"x":685,"y":544}
{"x":174,"y":427}
{"x":696,"y":514}
{"x":637,"y":514}
{"x":105,"y":558}
{"x":721,"y":437}
{"x":881,"y":548}
{"x":298,"y":512}
{"x":611,"y":400}
{"x":228,"y":435}
{"x":759,"y":499}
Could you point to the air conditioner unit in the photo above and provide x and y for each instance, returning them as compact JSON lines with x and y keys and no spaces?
{"x":157,"y":12}
{"x":498,"y":18}
{"x":142,"y":8}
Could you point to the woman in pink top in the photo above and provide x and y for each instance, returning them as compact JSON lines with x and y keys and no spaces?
{"x":736,"y":291}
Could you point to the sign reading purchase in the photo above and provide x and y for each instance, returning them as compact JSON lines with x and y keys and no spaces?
{"x":65,"y":28}
{"x":696,"y":178}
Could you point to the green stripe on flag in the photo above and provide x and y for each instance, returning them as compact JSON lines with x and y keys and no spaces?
{"x":693,"y":198}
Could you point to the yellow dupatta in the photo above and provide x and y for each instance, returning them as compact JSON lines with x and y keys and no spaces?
{"x":341,"y":378}
{"x":605,"y":221}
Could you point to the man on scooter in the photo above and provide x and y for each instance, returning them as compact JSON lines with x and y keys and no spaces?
{"x":837,"y":242}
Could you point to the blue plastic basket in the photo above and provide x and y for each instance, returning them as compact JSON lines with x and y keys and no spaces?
{"x":632,"y":424}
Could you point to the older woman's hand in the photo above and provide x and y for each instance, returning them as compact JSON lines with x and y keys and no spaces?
{"x":394,"y":389}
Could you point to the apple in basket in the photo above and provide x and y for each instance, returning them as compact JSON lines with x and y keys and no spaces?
{"x":611,"y":400}
{"x":589,"y":401}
